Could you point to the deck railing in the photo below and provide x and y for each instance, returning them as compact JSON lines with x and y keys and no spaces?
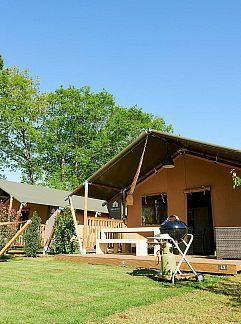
{"x":20,"y":240}
{"x":42,"y":229}
{"x":95,"y":224}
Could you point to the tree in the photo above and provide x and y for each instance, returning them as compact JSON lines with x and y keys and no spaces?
{"x":82,"y":130}
{"x":64,"y":233}
{"x":123,"y":127}
{"x":7,"y":231}
{"x":32,"y":236}
{"x":1,"y":159}
{"x":59,"y":139}
{"x":20,"y":109}
{"x":1,"y":62}
{"x":73,"y":119}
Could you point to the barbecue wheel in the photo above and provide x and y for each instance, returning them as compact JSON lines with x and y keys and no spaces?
{"x":199,"y":277}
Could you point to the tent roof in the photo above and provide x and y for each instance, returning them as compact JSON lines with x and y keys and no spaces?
{"x":46,"y":196}
{"x":118,"y":173}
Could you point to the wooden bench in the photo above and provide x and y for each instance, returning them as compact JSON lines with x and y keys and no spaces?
{"x":141,"y":245}
{"x":139,"y":240}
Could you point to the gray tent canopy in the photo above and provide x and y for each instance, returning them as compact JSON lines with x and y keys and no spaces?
{"x":34,"y":194}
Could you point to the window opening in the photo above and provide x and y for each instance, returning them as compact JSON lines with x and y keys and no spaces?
{"x":154,"y":209}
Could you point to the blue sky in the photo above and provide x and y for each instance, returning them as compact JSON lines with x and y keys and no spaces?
{"x":177,"y":59}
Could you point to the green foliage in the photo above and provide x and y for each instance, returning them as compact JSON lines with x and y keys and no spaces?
{"x":60,"y":138}
{"x":82,"y":130}
{"x":32,"y":236}
{"x":7,"y":231}
{"x":1,"y":62}
{"x":20,"y":109}
{"x":236,"y":179}
{"x":64,"y":233}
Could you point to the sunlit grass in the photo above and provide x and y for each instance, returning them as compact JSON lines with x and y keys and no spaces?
{"x":53,"y":291}
{"x":217,"y":301}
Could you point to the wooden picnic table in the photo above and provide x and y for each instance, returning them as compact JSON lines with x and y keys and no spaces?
{"x":140,"y":242}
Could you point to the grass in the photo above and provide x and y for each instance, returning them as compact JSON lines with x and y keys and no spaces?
{"x":52,"y":291}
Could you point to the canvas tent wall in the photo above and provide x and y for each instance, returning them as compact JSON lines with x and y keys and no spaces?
{"x":199,"y":167}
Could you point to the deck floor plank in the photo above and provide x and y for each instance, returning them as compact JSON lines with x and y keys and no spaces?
{"x":200,"y":264}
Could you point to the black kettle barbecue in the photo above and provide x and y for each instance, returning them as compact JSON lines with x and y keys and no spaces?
{"x":174,"y":227}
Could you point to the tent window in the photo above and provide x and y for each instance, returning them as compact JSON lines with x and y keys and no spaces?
{"x":154,"y":209}
{"x":24,"y":215}
{"x":51,"y":210}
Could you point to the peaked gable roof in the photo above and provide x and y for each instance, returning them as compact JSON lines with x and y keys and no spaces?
{"x":119,"y":172}
{"x":40,"y":195}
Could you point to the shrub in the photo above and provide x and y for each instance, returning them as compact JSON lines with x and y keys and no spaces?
{"x":7,"y":231}
{"x":64,"y":233}
{"x":32,"y":236}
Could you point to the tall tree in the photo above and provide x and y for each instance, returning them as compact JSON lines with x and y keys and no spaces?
{"x":74,"y":118}
{"x":60,"y":138}
{"x":83,"y":130}
{"x":123,"y":126}
{"x":20,"y":109}
{"x":1,"y":157}
{"x":1,"y":62}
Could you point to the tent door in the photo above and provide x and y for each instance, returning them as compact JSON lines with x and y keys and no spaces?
{"x":200,"y":222}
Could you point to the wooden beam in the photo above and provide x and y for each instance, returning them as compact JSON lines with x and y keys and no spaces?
{"x":75,"y":223}
{"x":213,"y":159}
{"x":49,"y":229}
{"x":152,"y":172}
{"x":19,"y":211}
{"x":86,"y":186}
{"x":197,"y":189}
{"x":129,"y":198}
{"x":10,"y":203}
{"x":11,"y":223}
{"x":4,"y":199}
{"x":10,"y":206}
{"x":104,"y":186}
{"x":7,"y":246}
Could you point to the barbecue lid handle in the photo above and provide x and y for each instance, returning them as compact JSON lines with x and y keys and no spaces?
{"x":177,"y":218}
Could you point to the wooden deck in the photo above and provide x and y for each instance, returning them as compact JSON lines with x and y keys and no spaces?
{"x":200,"y":264}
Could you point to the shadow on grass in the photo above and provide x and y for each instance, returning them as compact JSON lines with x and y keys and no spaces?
{"x":11,"y":258}
{"x":5,"y":258}
{"x":145,"y":272}
{"x":227,"y":286}
{"x":154,"y":274}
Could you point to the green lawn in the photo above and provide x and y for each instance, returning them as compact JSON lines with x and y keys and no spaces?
{"x":51,"y":291}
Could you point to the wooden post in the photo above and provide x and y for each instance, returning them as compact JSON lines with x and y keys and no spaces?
{"x":75,"y":224}
{"x":96,"y":220}
{"x":19,"y":211}
{"x":10,"y":206}
{"x":85,"y":217}
{"x":7,"y":246}
{"x":49,"y":230}
{"x":129,"y":197}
